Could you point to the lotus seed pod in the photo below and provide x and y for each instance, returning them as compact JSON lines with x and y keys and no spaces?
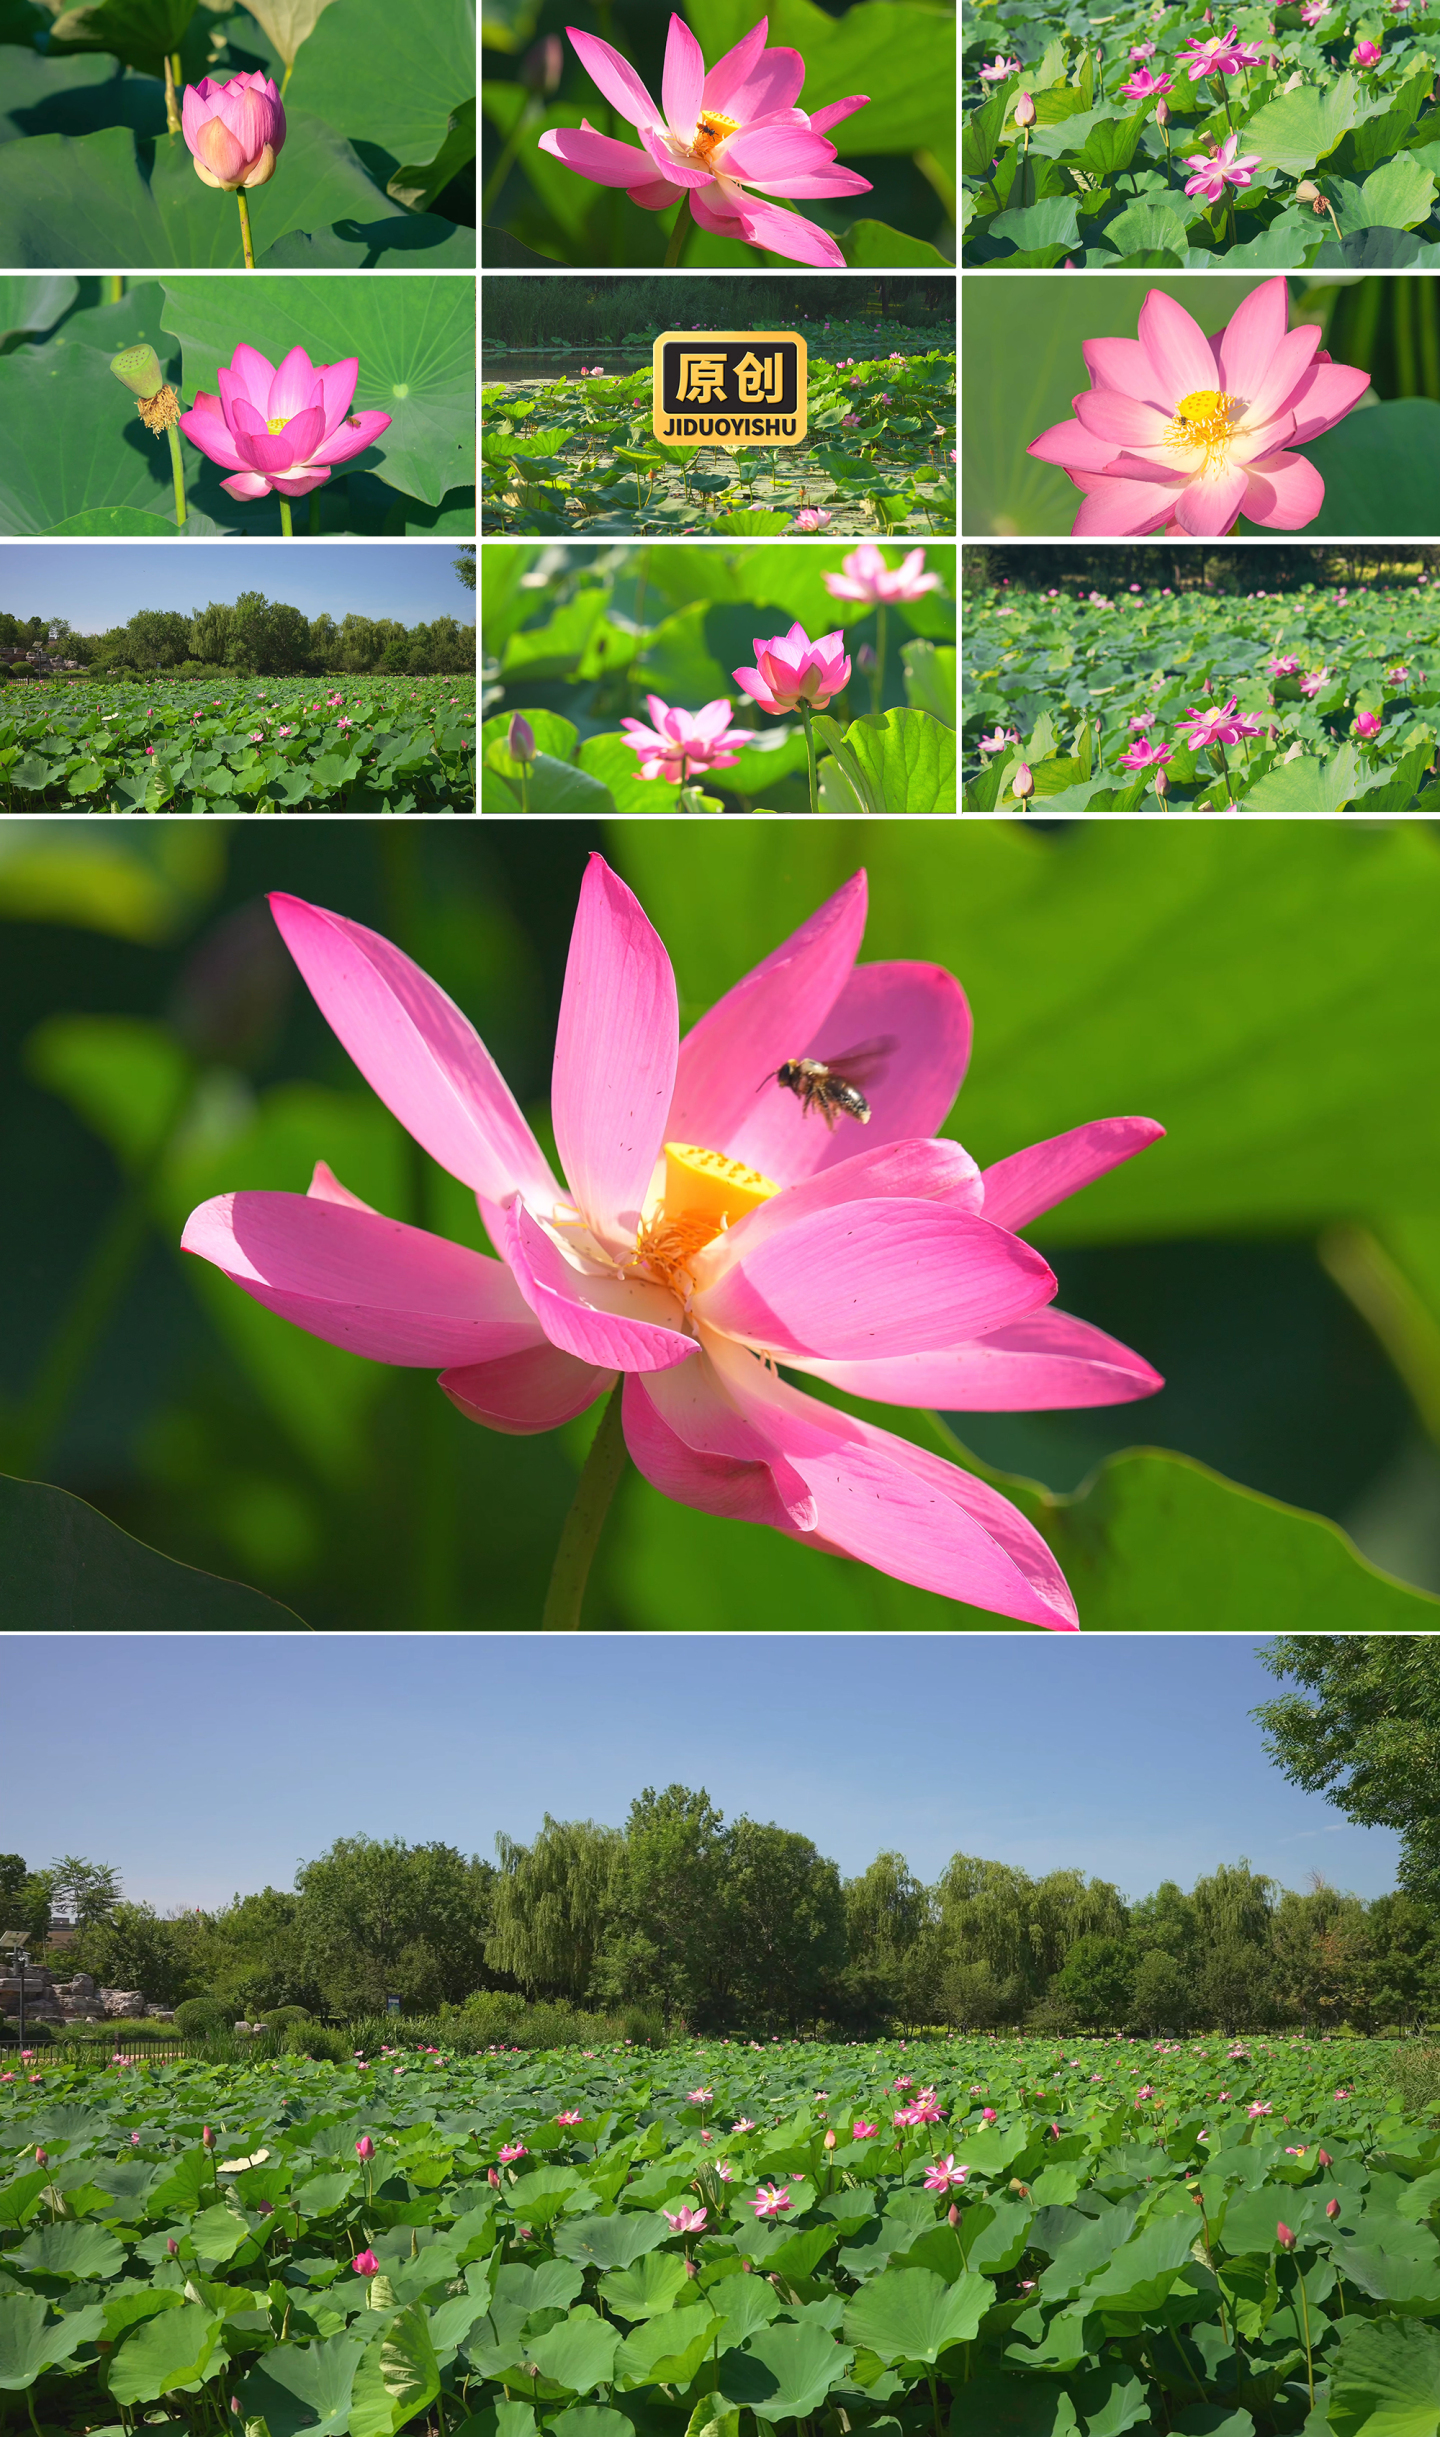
{"x":139,"y":369}
{"x":1307,"y":191}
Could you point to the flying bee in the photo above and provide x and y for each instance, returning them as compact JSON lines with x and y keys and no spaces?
{"x":832,"y":1085}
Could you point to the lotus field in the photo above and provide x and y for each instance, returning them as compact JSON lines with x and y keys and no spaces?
{"x":579,"y":455}
{"x":1277,"y":139}
{"x":280,"y":744}
{"x":1308,"y":701}
{"x":988,"y":2237}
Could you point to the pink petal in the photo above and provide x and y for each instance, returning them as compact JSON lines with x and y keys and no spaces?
{"x":750,"y":682}
{"x":295,"y":486}
{"x":824,"y":177}
{"x":1323,"y":395}
{"x":1283,"y":492}
{"x":1177,"y":347}
{"x":1287,"y":368}
{"x":417,"y":1051}
{"x":902,"y":1510}
{"x":355,"y":433}
{"x":762,"y":1021}
{"x":772,"y":83}
{"x":1071,"y":445}
{"x":297,"y":383}
{"x":911,"y":1091}
{"x":194,"y":109}
{"x":1121,"y":363}
{"x":615,"y":77}
{"x":739,"y":1476}
{"x":390,"y":1292}
{"x":1206,"y":508}
{"x":1117,"y":508}
{"x":680,"y":173}
{"x":729,"y":73}
{"x":271,"y":452}
{"x":253,"y":374}
{"x":655,"y":196}
{"x":1253,"y":337}
{"x":832,"y":114}
{"x":522,"y":1393}
{"x":1046,"y":1362}
{"x":902,"y":1171}
{"x":615,"y":1055}
{"x":245,"y":486}
{"x":325,"y":1186}
{"x":622,"y":1324}
{"x":763,"y":153}
{"x":337,"y":385}
{"x":221,"y":151}
{"x":781,"y":232}
{"x":875,"y":1278}
{"x":1019,"y":1188}
{"x":1111,"y":416}
{"x":597,"y":157}
{"x":206,"y":426}
{"x":683,"y":77}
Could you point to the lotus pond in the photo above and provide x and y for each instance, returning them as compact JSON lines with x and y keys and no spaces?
{"x":1301,"y":136}
{"x":1336,"y":692}
{"x":573,"y":455}
{"x":1040,"y":2239}
{"x":278,"y":744}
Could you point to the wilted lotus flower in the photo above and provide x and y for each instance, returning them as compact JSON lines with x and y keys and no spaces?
{"x":790,"y":670}
{"x":281,"y":431}
{"x":236,"y":131}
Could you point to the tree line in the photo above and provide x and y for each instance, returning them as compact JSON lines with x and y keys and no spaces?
{"x":1112,"y":567}
{"x":255,"y":637}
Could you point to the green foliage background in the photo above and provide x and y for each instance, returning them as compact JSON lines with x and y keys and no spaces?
{"x":1268,"y":991}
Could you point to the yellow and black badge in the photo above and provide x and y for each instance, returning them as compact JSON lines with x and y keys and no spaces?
{"x":713,"y":386}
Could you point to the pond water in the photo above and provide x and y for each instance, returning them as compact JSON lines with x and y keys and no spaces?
{"x":549,"y":364}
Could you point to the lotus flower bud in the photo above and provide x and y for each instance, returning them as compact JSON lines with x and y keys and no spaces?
{"x":690,"y":2268}
{"x":1024,"y":109}
{"x":365,"y":2263}
{"x":1023,"y":784}
{"x":1324,"y":2156}
{"x":493,"y":2177}
{"x":235,"y":130}
{"x":1284,"y":2236}
{"x":829,"y":2140}
{"x":364,"y":2147}
{"x":1162,"y":112}
{"x":953,"y":2214}
{"x":41,"y":2158}
{"x":208,"y":2137}
{"x":543,"y":65}
{"x":521,"y":739}
{"x":1332,"y":2210}
{"x":1162,"y":784}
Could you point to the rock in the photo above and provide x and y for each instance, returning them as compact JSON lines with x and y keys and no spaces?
{"x":83,"y":1985}
{"x":160,"y":2013}
{"x":123,"y":2004}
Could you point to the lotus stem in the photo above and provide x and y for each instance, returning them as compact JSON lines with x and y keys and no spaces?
{"x":178,"y":471}
{"x":287,"y":525}
{"x":114,"y":286}
{"x":679,"y":233}
{"x":877,"y":681}
{"x":172,"y":98}
{"x":580,"y":1533}
{"x":246,"y":246}
{"x":806,"y":719}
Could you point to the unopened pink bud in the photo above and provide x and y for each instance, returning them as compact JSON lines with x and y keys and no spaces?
{"x":953,"y":2214}
{"x":1162,"y":112}
{"x":208,"y":2137}
{"x":1024,"y":109}
{"x":829,"y":2140}
{"x":1284,"y":2236}
{"x":172,"y":2247}
{"x":1021,"y":786}
{"x":364,"y":2147}
{"x":1324,"y":2156}
{"x":1332,"y":2210}
{"x":494,"y":2178}
{"x":41,"y":2158}
{"x":521,"y":738}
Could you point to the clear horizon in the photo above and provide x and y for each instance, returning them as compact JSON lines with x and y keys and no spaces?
{"x":98,"y":585}
{"x":203,"y":1768}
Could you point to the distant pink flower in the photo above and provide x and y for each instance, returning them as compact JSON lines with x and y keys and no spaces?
{"x":571,"y":2115}
{"x":699,"y":2098}
{"x":1313,"y":12}
{"x":1142,"y":50}
{"x":863,"y":2132}
{"x":1218,"y":55}
{"x":1217,"y":727}
{"x":1367,"y":724}
{"x":679,"y":744}
{"x":996,"y":70}
{"x":1142,"y":719}
{"x":511,"y":2151}
{"x":771,"y":2200}
{"x":944,"y":2173}
{"x":865,"y":576}
{"x":1284,"y":2236}
{"x":1310,"y":685}
{"x":848,"y":422}
{"x":1259,"y":2107}
{"x":790,"y":669}
{"x":1185,"y":432}
{"x":235,"y":131}
{"x":1142,"y":755}
{"x":1213,"y":171}
{"x":987,"y":2115}
{"x":1143,"y":87}
{"x":811,"y":520}
{"x":743,"y":2123}
{"x":1285,"y":666}
{"x":684,"y":2220}
{"x":283,"y":431}
{"x":365,"y":2263}
{"x":1397,"y":676}
{"x":365,"y":2147}
{"x":997,"y":742}
{"x":717,"y":135}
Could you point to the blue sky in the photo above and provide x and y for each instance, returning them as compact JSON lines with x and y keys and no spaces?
{"x":201,"y":1767}
{"x":97,"y":585}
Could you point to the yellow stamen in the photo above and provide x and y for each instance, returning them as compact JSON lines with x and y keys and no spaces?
{"x":1208,"y":419}
{"x":712,"y":130}
{"x":704,"y":1193}
{"x":277,"y":423}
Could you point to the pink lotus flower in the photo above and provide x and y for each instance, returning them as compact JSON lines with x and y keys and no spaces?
{"x":790,"y":669}
{"x":1367,"y":54}
{"x":987,"y":2115}
{"x":944,"y":2173}
{"x":1142,"y":50}
{"x":997,"y":742}
{"x":1143,"y":87}
{"x":285,"y":430}
{"x":364,"y":2147}
{"x":684,"y":2220}
{"x":1313,"y":12}
{"x":1142,"y":755}
{"x":1141,"y":720}
{"x":891,"y":1272}
{"x":699,"y":2098}
{"x":511,"y":2151}
{"x":1218,"y":727}
{"x":365,"y":2263}
{"x":718,"y":134}
{"x":1214,"y":170}
{"x":679,"y":744}
{"x":570,"y":2115}
{"x":1311,"y":684}
{"x":996,"y":70}
{"x":811,"y":520}
{"x":863,"y":2132}
{"x":1218,"y":55}
{"x":1397,"y":676}
{"x":743,"y":2123}
{"x":1285,"y":666}
{"x":1184,"y":432}
{"x":771,"y":2200}
{"x":1259,"y":2107}
{"x":236,"y":131}
{"x":1367,"y":724}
